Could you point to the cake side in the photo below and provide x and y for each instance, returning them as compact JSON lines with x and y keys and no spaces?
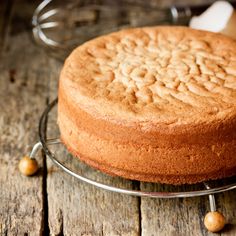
{"x":170,"y":164}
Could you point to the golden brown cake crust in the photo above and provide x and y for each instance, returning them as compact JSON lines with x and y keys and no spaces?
{"x":160,"y":101}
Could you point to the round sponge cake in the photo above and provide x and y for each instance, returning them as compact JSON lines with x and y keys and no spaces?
{"x":152,"y":104}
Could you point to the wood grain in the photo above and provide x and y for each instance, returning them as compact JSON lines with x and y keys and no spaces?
{"x":183,"y":216}
{"x":5,"y":12}
{"x":22,"y":91}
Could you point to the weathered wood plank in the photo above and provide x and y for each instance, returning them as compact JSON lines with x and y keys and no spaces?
{"x":183,"y":216}
{"x":23,"y":97}
{"x":5,"y":13}
{"x":76,"y":208}
{"x":227,"y":205}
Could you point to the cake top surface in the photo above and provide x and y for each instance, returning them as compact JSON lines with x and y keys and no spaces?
{"x":159,"y":74}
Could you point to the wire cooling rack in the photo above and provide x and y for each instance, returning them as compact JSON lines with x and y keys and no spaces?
{"x":209,"y":188}
{"x":196,"y":190}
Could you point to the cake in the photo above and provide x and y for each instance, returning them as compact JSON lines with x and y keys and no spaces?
{"x":155,"y":104}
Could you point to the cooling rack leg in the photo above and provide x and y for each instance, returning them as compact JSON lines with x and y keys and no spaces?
{"x":214,"y":221}
{"x":28,"y":165}
{"x":35,"y":149}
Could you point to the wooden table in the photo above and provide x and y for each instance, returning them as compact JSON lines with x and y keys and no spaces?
{"x":52,"y":202}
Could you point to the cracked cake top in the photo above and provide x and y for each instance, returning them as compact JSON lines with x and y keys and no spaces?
{"x":159,"y":74}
